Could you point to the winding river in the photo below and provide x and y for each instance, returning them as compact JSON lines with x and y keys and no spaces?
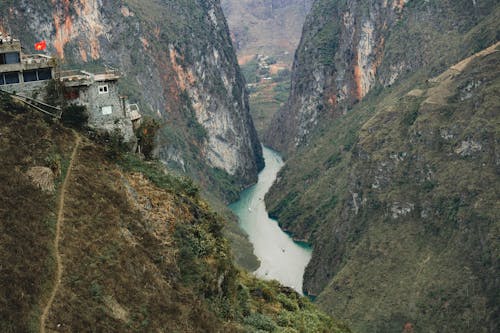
{"x":281,"y":258}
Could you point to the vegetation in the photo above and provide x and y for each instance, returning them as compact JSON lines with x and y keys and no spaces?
{"x":27,"y":213}
{"x":400,"y":216}
{"x":146,"y":136}
{"x":268,"y":92}
{"x":75,"y":116}
{"x":142,"y":250}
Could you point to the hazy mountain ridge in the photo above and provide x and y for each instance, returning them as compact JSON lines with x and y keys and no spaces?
{"x":270,"y":28}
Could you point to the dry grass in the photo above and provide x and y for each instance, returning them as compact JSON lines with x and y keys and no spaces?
{"x":26,"y":216}
{"x":139,"y":252}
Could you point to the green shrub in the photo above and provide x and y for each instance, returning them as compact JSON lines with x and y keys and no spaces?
{"x":75,"y":116}
{"x":260,"y":321}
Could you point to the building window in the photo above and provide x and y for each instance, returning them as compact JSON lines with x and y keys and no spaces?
{"x":107,"y":110}
{"x":2,"y":81}
{"x":12,"y":77}
{"x":44,"y":74}
{"x":10,"y":58}
{"x":29,"y":76}
{"x":103,"y":89}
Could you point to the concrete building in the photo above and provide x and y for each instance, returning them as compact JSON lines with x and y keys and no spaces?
{"x":28,"y":75}
{"x":99,"y":93}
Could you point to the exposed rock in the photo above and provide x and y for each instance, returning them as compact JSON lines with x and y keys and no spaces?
{"x":348,"y":48}
{"x":116,"y":310}
{"x":468,"y":147}
{"x":42,"y":177}
{"x":399,"y":209}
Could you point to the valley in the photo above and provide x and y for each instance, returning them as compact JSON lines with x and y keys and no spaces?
{"x":348,"y":151}
{"x":265,"y":35}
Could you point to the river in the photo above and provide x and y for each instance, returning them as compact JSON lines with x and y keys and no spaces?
{"x":281,"y":258}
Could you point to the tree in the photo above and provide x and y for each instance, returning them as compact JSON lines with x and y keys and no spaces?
{"x":146,"y":134}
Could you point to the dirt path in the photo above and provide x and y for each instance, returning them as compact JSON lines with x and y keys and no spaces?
{"x":60,"y":220}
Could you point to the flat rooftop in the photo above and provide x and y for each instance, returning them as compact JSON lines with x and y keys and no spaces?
{"x":8,"y":44}
{"x":84,"y":78}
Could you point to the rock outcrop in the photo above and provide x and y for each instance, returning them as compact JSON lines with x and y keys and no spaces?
{"x":349,"y":48}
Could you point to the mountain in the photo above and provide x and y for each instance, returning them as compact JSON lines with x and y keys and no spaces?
{"x":349,"y":48}
{"x":391,"y":133}
{"x":269,"y":27}
{"x":265,"y":35}
{"x":178,"y":63}
{"x":93,"y":239}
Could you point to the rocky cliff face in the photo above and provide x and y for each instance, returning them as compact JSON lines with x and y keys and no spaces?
{"x":394,"y":180}
{"x":178,"y":62}
{"x":350,"y":47}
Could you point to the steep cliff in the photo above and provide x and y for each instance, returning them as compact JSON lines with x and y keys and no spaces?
{"x":178,"y":62}
{"x":348,"y":48}
{"x":94,"y":243}
{"x":397,"y":188}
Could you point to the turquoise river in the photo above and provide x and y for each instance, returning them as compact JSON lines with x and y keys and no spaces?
{"x":281,"y":258}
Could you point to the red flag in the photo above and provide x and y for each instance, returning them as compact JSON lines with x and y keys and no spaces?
{"x":40,"y":46}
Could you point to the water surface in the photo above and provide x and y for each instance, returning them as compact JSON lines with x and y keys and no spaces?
{"x":280,"y":256}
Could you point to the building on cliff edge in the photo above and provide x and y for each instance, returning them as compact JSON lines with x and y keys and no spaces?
{"x":29,"y":74}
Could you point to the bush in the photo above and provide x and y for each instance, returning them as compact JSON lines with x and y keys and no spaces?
{"x":115,"y":145}
{"x":260,"y":321}
{"x":55,"y":93}
{"x":146,"y":134}
{"x":75,"y":116}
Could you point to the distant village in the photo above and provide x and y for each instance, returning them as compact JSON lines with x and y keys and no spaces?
{"x":26,"y":76}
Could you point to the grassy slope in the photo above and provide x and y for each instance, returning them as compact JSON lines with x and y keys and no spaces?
{"x":434,"y":267}
{"x":140,"y":250}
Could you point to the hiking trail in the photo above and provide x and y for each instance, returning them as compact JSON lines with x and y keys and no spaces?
{"x":60,"y":220}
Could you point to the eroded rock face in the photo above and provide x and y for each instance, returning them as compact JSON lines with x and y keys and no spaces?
{"x":350,"y":47}
{"x":335,"y":65}
{"x":178,"y":63}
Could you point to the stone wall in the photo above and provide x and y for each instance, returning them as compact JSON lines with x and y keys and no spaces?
{"x":106,"y":109}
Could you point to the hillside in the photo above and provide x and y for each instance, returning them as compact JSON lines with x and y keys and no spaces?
{"x":179,"y":65}
{"x":349,"y":48}
{"x":397,"y":188}
{"x":134,"y":247}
